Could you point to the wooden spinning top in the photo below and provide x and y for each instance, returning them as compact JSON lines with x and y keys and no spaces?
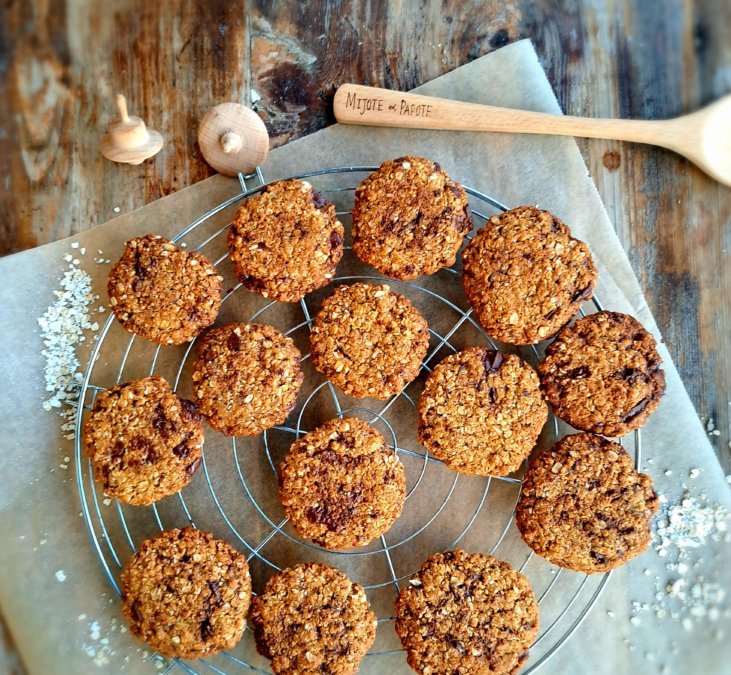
{"x":233,"y":139}
{"x":128,"y":140}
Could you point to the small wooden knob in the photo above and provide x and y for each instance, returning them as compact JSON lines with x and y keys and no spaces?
{"x":128,"y":140}
{"x":233,"y":139}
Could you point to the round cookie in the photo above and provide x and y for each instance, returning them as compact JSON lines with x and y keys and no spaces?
{"x":481,"y":412}
{"x":466,"y":613}
{"x":341,"y":485}
{"x":246,"y":378}
{"x":312,"y":619}
{"x":162,"y":292}
{"x":409,"y":218}
{"x":526,"y":276}
{"x":286,"y":241}
{"x":368,"y":340}
{"x":143,"y":441}
{"x":602,"y":374}
{"x":583,"y":505}
{"x":186,"y":594}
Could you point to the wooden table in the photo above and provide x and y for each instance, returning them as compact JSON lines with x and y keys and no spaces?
{"x":61,"y":62}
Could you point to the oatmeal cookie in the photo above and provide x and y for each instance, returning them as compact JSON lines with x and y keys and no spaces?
{"x":186,"y":594}
{"x":409,"y":218}
{"x":162,"y":292}
{"x":467,"y":614}
{"x":341,"y":485}
{"x":312,"y":619}
{"x":286,"y":241}
{"x":368,"y":340}
{"x":603,"y":374}
{"x":246,"y":378}
{"x":526,"y":276}
{"x":583,"y":505}
{"x":481,"y":412}
{"x":143,"y":441}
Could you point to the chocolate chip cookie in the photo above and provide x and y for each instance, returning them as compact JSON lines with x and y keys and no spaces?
{"x":341,"y":485}
{"x":144,"y":441}
{"x":466,"y":613}
{"x":603,"y":374}
{"x":186,"y":594}
{"x":583,"y":505}
{"x":481,"y":412}
{"x":163,"y":293}
{"x":246,"y":378}
{"x":368,"y":340}
{"x":286,"y":241}
{"x":312,"y":619}
{"x":409,"y":218}
{"x":526,"y":276}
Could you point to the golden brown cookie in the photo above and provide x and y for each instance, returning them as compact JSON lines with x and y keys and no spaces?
{"x":481,"y":412}
{"x":341,"y":485}
{"x":468,"y":614}
{"x":286,"y":241}
{"x":603,"y":374}
{"x":526,"y":276}
{"x":368,"y":340}
{"x":163,"y":293}
{"x":186,"y":594}
{"x":312,"y":619}
{"x":409,"y":218}
{"x":583,"y":505}
{"x":246,"y":378}
{"x":143,"y":441}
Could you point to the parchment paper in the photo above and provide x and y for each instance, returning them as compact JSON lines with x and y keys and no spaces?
{"x":42,"y":531}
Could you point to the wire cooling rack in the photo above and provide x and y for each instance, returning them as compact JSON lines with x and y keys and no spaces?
{"x":234,"y":493}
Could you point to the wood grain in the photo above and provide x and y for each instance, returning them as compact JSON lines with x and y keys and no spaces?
{"x":62,"y":60}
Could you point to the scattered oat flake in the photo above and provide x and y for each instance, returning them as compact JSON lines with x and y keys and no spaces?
{"x":63,"y":325}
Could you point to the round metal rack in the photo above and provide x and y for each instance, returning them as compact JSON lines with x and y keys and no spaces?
{"x":234,"y":493}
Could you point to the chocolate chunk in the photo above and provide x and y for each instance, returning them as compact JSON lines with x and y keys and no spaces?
{"x":580,"y":373}
{"x":317,"y":199}
{"x":582,"y":294}
{"x":206,"y":630}
{"x":139,"y":268}
{"x":233,"y":342}
{"x":336,"y":239}
{"x":181,"y":450}
{"x":118,"y":451}
{"x":599,"y":557}
{"x":636,"y":410}
{"x":491,"y":360}
{"x":191,"y":469}
{"x":162,"y":423}
{"x":189,"y":411}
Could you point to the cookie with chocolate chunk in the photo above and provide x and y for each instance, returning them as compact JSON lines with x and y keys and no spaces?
{"x":368,"y":340}
{"x":583,"y":505}
{"x":526,"y":276}
{"x":603,"y":374}
{"x":162,"y":292}
{"x":341,"y":485}
{"x":312,"y":619}
{"x":144,"y":441}
{"x":286,"y":241}
{"x":409,"y":218}
{"x":481,"y":412}
{"x":186,"y":594}
{"x":246,"y":378}
{"x":466,"y":613}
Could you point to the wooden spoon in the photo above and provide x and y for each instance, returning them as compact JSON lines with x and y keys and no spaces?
{"x":704,"y":137}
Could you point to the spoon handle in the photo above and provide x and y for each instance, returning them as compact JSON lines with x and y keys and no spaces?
{"x":371,"y":106}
